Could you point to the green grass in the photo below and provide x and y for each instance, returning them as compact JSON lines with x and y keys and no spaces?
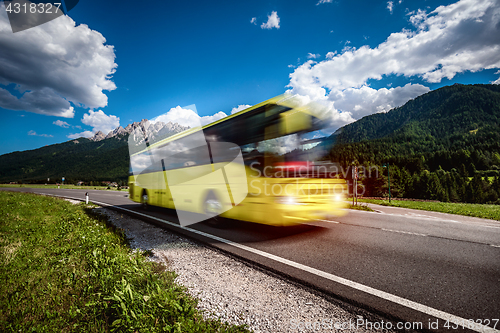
{"x":64,"y":269}
{"x":360,"y":206}
{"x":476,"y":210}
{"x":67,"y":186}
{"x":490,"y":179}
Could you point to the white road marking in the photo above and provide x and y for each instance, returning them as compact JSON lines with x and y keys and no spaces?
{"x":330,"y":221}
{"x":369,"y":290}
{"x":360,"y":225}
{"x":435,"y":218}
{"x":489,"y":226}
{"x":404,"y":232}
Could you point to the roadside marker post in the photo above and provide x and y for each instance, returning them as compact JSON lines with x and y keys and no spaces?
{"x":356,"y":184}
{"x":87,"y":198}
{"x":388,"y":179}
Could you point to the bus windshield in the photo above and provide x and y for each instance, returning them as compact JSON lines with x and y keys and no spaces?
{"x":289,"y":156}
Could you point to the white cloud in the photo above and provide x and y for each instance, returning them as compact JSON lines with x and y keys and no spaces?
{"x":280,"y":146}
{"x":451,"y":39}
{"x":418,"y":19}
{"x":188,"y":117}
{"x":44,"y":135}
{"x":53,"y":65}
{"x":330,"y":55}
{"x":324,"y":1}
{"x":273,"y":21}
{"x":497,"y":81}
{"x":61,"y":123}
{"x":364,"y":101}
{"x":390,"y":6}
{"x":253,"y":20}
{"x":239,"y":108}
{"x":99,"y":121}
{"x":339,"y":119}
{"x":85,"y":134}
{"x":210,"y":119}
{"x":324,"y":107}
{"x":43,"y":101}
{"x":312,"y":56}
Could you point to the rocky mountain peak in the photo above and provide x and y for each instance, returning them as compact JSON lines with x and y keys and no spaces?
{"x":98,"y":136}
{"x":152,"y":130}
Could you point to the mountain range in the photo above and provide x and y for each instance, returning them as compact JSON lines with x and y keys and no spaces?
{"x":101,"y":157}
{"x":154,"y":130}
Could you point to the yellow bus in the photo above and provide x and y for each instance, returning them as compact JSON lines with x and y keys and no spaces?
{"x":248,"y":166}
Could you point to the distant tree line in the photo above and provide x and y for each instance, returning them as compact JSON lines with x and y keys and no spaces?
{"x":447,"y":186}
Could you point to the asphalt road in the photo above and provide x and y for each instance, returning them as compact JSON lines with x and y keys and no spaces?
{"x":409,"y":265}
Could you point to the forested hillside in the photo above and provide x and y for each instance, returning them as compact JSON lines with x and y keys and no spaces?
{"x":444,"y":145}
{"x":440,"y":113}
{"x":80,"y":159}
{"x":99,"y":158}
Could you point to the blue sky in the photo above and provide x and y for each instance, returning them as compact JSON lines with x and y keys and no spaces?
{"x":121,"y":62}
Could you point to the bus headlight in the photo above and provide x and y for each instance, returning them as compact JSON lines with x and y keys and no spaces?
{"x":338,"y":197}
{"x":288,"y":200}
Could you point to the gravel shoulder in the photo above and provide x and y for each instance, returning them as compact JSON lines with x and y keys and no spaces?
{"x":238,"y":293}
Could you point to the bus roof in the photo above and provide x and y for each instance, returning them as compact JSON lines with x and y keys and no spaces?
{"x":278,"y":100}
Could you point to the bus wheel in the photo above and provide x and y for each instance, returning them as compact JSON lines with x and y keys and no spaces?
{"x":212,"y":208}
{"x":144,"y":200}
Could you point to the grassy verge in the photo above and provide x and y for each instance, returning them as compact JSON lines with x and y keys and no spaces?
{"x":360,"y":206}
{"x":475,"y":210}
{"x":63,"y":269}
{"x":67,"y":186}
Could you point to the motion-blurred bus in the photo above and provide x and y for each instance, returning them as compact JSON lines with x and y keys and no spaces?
{"x":253,"y":165}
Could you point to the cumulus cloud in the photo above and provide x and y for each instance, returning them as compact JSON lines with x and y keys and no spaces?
{"x":497,"y":81}
{"x":324,"y":1}
{"x":61,"y":123}
{"x":44,"y":135}
{"x":84,"y":134}
{"x":239,"y":108}
{"x":99,"y":121}
{"x":43,"y":101}
{"x":280,"y":146}
{"x":365,"y":100}
{"x":273,"y":21}
{"x":312,"y":56}
{"x":390,"y":6}
{"x":54,"y":67}
{"x":464,"y":36}
{"x":253,"y":20}
{"x":330,"y":55}
{"x":460,"y":37}
{"x":188,"y":117}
